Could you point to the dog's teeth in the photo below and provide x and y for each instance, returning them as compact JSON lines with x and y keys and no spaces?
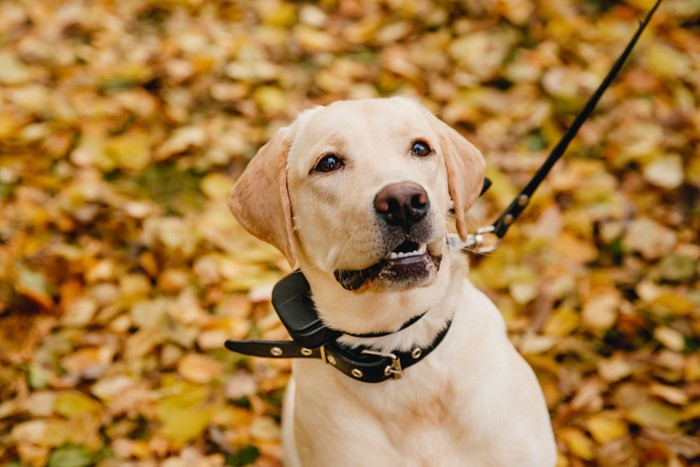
{"x":397,"y":255}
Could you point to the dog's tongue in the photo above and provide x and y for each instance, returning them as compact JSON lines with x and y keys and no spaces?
{"x":354,"y":279}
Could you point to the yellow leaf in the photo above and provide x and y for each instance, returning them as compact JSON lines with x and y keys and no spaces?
{"x":692,"y":368}
{"x":131,"y":150}
{"x":524,"y":285}
{"x":655,"y":415}
{"x":216,"y":186}
{"x":667,"y":61}
{"x":9,"y":126}
{"x":75,"y":403}
{"x":281,"y":15}
{"x":12,"y":70}
{"x":142,"y":342}
{"x":315,"y":40}
{"x":671,"y":303}
{"x":502,"y":188}
{"x":140,"y":449}
{"x":184,"y":414}
{"x":184,"y":425}
{"x":562,"y":323}
{"x":240,"y":417}
{"x":605,"y":427}
{"x":270,"y":99}
{"x":578,"y":443}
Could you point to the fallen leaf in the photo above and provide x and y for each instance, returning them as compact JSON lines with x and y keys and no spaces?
{"x":650,"y":238}
{"x":601,"y":310}
{"x":187,"y":403}
{"x":665,"y":172}
{"x":655,"y":415}
{"x":199,"y":368}
{"x":578,"y":443}
{"x":670,"y":338}
{"x":606,"y":427}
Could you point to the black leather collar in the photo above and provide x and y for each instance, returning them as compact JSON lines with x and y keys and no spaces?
{"x":313,"y":339}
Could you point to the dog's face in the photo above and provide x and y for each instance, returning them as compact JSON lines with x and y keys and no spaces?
{"x":361,"y":190}
{"x":369,"y":194}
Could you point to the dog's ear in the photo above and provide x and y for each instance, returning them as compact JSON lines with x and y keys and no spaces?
{"x":465,"y":171}
{"x":260,"y":200}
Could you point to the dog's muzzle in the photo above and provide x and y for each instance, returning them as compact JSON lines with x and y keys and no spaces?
{"x":402,"y":209}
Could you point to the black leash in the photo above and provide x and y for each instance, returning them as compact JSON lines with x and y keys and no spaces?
{"x":499,"y":228}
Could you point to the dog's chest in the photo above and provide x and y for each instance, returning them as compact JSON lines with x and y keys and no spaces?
{"x":411,"y":405}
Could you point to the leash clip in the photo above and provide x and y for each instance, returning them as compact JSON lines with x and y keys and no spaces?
{"x":480,"y":242}
{"x":391,"y":370}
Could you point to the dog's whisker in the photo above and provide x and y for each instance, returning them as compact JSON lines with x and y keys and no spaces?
{"x":308,"y":268}
{"x":343,"y":250}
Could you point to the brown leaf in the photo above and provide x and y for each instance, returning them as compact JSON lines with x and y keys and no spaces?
{"x":199,"y":368}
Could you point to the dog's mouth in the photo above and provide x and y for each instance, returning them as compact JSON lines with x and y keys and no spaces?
{"x":409,"y":263}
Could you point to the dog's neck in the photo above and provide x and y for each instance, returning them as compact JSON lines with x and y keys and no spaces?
{"x":370,"y":312}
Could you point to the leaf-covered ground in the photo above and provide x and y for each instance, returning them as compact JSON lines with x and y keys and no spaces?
{"x":123,"y":125}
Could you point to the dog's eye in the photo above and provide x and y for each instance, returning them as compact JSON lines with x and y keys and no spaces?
{"x":420,"y":149}
{"x":329,"y":163}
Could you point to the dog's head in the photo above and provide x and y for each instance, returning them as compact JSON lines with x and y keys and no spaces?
{"x":361,"y":190}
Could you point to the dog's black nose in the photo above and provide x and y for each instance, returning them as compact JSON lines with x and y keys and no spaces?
{"x":402,"y":204}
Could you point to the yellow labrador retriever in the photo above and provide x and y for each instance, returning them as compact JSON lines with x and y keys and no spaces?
{"x":358,"y":195}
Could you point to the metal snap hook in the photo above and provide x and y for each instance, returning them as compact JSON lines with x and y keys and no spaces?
{"x":483,"y":241}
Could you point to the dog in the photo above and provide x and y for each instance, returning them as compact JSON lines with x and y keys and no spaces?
{"x":361,"y":196}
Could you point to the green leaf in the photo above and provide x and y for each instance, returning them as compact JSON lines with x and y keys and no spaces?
{"x":70,"y":456}
{"x":246,"y":455}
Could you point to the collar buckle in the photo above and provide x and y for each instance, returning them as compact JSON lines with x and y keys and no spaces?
{"x":394,"y":369}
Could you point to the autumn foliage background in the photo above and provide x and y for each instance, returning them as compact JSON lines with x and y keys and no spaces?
{"x":123,"y":124}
